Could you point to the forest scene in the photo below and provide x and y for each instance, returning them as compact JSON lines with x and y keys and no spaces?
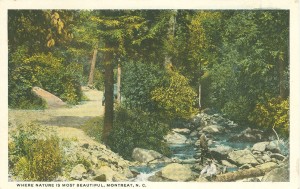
{"x":148,"y":95}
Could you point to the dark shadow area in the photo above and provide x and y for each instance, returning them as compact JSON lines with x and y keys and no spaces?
{"x":67,"y":121}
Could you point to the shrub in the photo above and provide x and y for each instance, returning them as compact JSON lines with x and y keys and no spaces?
{"x":33,"y":157}
{"x":138,"y":81}
{"x":237,"y":109}
{"x":175,"y":98}
{"x":273,"y":113}
{"x":136,"y":128}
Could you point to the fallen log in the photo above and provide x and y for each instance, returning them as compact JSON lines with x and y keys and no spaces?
{"x":257,"y":171}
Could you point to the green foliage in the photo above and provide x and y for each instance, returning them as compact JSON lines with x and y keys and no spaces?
{"x":248,"y":66}
{"x":175,"y":98}
{"x":98,"y":80}
{"x":136,"y":128}
{"x":93,"y":128}
{"x":153,"y":89}
{"x":273,"y":113}
{"x":33,"y":157}
{"x":238,"y":109}
{"x":138,"y":81}
{"x":45,"y":71}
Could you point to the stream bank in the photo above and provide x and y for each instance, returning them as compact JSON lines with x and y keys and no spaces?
{"x":233,"y":148}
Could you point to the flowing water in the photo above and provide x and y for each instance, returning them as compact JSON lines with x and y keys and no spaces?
{"x":182,"y":152}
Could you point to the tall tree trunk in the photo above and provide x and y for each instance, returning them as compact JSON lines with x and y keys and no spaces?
{"x":281,"y":66}
{"x":200,"y":92}
{"x":119,"y":84}
{"x":92,"y":70}
{"x":171,"y":34}
{"x":199,"y":101}
{"x":109,"y":96}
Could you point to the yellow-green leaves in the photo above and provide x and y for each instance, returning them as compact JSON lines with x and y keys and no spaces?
{"x":50,"y":43}
{"x":57,"y":22}
{"x":177,"y":98}
{"x":272,"y":114}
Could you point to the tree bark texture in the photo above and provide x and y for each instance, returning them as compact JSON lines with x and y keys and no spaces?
{"x":119,"y":84}
{"x":109,"y":96}
{"x":199,"y":102}
{"x":92,"y":70}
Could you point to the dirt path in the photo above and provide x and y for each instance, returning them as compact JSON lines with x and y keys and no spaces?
{"x":64,"y":120}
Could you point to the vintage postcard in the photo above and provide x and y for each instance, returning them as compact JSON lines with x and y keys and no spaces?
{"x":149,"y":94}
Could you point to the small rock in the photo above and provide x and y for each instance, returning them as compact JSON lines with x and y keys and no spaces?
{"x":194,"y":134}
{"x":273,"y":147}
{"x":107,"y":171}
{"x":228,"y":164}
{"x":260,"y":160}
{"x":278,"y":156}
{"x":101,"y":178}
{"x":213,"y":129}
{"x":220,"y":152}
{"x":77,"y":172}
{"x":274,"y":160}
{"x":175,"y":138}
{"x":261,"y":146}
{"x":183,"y":131}
{"x":266,"y":158}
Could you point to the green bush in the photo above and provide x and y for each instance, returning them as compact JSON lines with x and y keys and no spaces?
{"x":136,"y":128}
{"x":34,"y":157}
{"x":138,"y":81}
{"x":158,"y":90}
{"x":273,"y":113}
{"x":175,"y":98}
{"x":237,"y":109}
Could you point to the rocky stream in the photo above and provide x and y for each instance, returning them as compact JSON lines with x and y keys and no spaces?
{"x":237,"y":152}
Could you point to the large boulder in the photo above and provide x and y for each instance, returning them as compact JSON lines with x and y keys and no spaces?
{"x":280,"y":174}
{"x":213,"y":129}
{"x":145,"y":156}
{"x":175,"y":138}
{"x":220,"y":152}
{"x":177,"y":172}
{"x":242,"y":157}
{"x":77,"y":172}
{"x":51,"y":100}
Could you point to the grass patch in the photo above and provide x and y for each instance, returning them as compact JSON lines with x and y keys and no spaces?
{"x":93,"y":128}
